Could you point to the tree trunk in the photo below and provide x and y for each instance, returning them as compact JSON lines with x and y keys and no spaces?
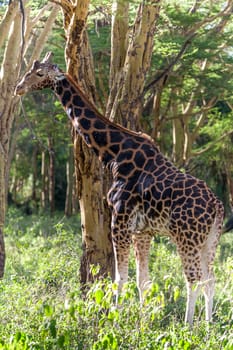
{"x":10,"y":35}
{"x":126,"y":98}
{"x":2,"y":211}
{"x":178,"y":141}
{"x":51,"y":177}
{"x":8,"y":106}
{"x":177,"y":136}
{"x":44,"y":181}
{"x":96,"y":236}
{"x":119,"y":45}
{"x":7,"y":20}
{"x":2,"y":253}
{"x":70,"y":183}
{"x":95,"y":215}
{"x":34,"y":174}
{"x":229,"y":182}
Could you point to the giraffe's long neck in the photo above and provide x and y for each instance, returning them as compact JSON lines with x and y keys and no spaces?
{"x":123,"y":150}
{"x":98,"y":133}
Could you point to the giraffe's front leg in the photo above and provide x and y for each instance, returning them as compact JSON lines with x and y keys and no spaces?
{"x":121,"y":246}
{"x":141,"y":244}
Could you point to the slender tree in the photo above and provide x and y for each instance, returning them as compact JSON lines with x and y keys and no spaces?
{"x":17,"y":29}
{"x":95,"y":216}
{"x":131,"y":59}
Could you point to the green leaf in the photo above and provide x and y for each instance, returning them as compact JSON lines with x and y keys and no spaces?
{"x":176,"y":293}
{"x":48,"y":310}
{"x":99,"y":294}
{"x":53,"y":328}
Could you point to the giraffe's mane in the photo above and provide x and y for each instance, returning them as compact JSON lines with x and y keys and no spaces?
{"x":103,"y":118}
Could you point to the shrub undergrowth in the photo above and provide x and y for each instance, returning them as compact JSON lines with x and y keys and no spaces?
{"x":42,"y":307}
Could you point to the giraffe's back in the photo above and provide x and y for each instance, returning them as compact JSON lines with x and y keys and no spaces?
{"x":177,"y":204}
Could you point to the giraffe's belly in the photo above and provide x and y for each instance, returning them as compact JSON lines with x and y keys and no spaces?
{"x":153,"y":224}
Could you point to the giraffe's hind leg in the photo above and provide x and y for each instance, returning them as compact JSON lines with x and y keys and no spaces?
{"x":193,"y":290}
{"x":197,"y":265}
{"x":191,"y":262}
{"x":199,"y":276}
{"x":208,"y":290}
{"x":207,"y":282}
{"x":207,"y":258}
{"x":141,"y":244}
{"x":192,"y":274}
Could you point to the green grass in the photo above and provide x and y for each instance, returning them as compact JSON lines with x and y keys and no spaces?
{"x":41,"y":306}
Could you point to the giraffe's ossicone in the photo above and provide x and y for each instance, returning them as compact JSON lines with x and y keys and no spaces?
{"x":148,"y":196}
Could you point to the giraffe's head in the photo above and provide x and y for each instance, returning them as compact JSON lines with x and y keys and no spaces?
{"x":42,"y":75}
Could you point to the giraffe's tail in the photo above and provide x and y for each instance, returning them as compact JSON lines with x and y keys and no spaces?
{"x":228,"y":225}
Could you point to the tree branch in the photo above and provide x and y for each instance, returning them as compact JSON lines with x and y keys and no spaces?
{"x":44,"y":34}
{"x":212,"y":144}
{"x":225,"y":12}
{"x":21,"y":7}
{"x":66,"y":6}
{"x":7,"y":20}
{"x":191,"y":34}
{"x":167,"y":70}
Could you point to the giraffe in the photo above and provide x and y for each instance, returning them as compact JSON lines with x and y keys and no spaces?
{"x":148,"y":195}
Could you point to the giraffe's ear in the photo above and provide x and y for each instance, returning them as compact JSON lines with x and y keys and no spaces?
{"x":36,"y":65}
{"x":48,"y":57}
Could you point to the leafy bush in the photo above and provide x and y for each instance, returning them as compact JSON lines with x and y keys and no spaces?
{"x":42,"y":307}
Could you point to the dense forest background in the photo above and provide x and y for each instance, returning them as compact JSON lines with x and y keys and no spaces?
{"x":167,"y":73}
